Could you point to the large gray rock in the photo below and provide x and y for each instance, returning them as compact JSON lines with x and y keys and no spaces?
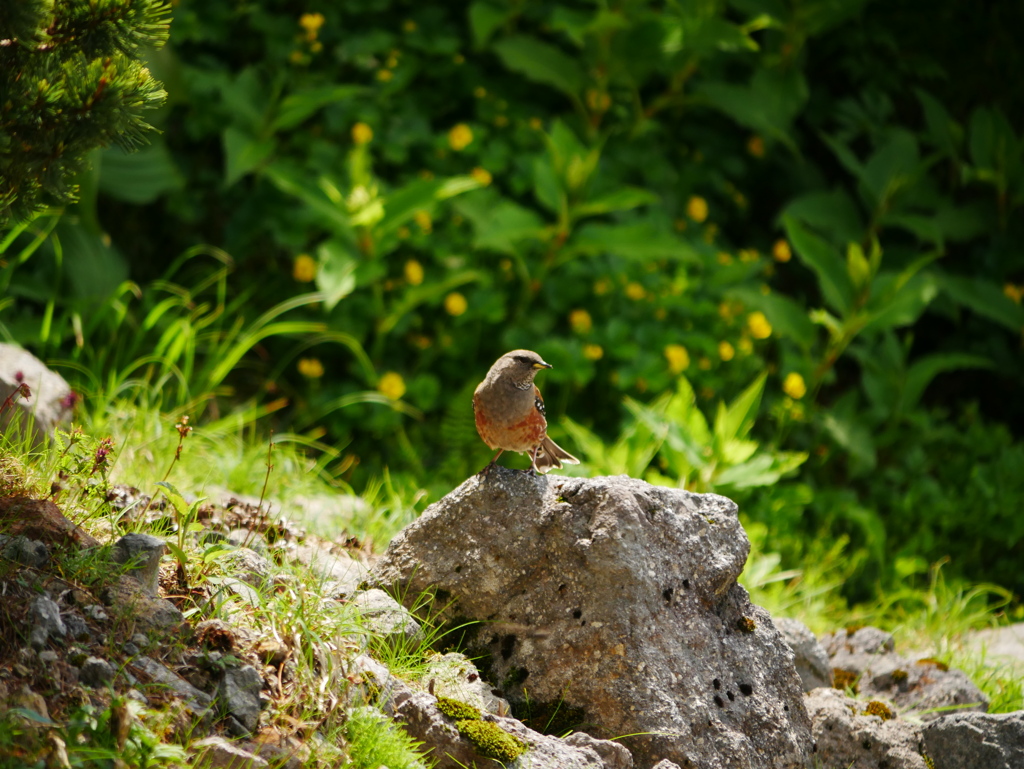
{"x":155,"y":675}
{"x":812,"y":661}
{"x":866,"y":657}
{"x":845,"y":736}
{"x":976,"y":740}
{"x":613,"y":604}
{"x":50,"y":403}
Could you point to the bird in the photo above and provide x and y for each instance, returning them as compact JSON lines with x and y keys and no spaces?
{"x":509,"y":412}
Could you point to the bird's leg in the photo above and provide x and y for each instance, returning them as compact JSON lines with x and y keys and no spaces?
{"x":533,"y":460}
{"x":488,"y":468}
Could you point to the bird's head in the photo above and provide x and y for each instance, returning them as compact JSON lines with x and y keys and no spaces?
{"x":521,"y":366}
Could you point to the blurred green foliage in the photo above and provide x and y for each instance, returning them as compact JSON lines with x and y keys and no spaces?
{"x":799,"y":209}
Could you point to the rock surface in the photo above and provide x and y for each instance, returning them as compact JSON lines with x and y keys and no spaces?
{"x":41,"y":520}
{"x":866,"y":658}
{"x":418,"y":714}
{"x":50,"y":401}
{"x":613,"y":604}
{"x":845,"y":737}
{"x":812,"y":662}
{"x":975,"y":740}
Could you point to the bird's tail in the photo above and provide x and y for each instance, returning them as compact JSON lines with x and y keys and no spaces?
{"x":550,"y":456}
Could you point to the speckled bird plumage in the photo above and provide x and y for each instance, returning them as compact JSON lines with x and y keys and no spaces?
{"x":509,"y":412}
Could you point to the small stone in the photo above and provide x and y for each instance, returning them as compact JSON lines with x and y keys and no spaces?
{"x":47,"y":622}
{"x":28,"y":552}
{"x":974,"y":740}
{"x":77,"y":628}
{"x":812,"y":661}
{"x":140,"y":640}
{"x":238,"y":695}
{"x":48,"y":657}
{"x":385,"y":617}
{"x":96,"y":672}
{"x":95,"y":612}
{"x":130,"y":649}
{"x":248,"y":565}
{"x":143,"y":552}
{"x":219,"y":753}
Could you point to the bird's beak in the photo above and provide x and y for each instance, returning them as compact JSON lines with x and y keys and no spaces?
{"x":542,"y":364}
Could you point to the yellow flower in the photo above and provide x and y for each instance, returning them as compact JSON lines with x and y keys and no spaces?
{"x":455,"y":304}
{"x":678,"y":358}
{"x":725,"y":311}
{"x":580,"y":321}
{"x":413,"y":272}
{"x":479,"y":92}
{"x":460,"y":137}
{"x":403,"y":233}
{"x":602,"y":287}
{"x":316,"y":46}
{"x":1013,"y":293}
{"x":759,"y":326}
{"x":311,"y":22}
{"x":755,"y":146}
{"x":723,"y":258}
{"x":482,"y":175}
{"x":409,"y":25}
{"x":781,"y":251}
{"x":362,"y":133}
{"x":704,"y":363}
{"x":593,"y":351}
{"x":422,"y":341}
{"x":304,"y":268}
{"x":748,"y":254}
{"x":710,"y":232}
{"x":536,"y":123}
{"x":391,"y":385}
{"x":697,"y":208}
{"x":726,"y":351}
{"x":385,"y":75}
{"x":296,"y":57}
{"x":793,"y":385}
{"x":635,"y":291}
{"x":423,"y":220}
{"x":311,"y":368}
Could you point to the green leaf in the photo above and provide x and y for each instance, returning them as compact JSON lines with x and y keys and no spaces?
{"x":335,"y":276}
{"x":499,"y":224}
{"x":735,"y":421}
{"x":925,"y":369}
{"x":547,"y":187}
{"x":945,"y":133}
{"x":892,"y":166}
{"x":243,"y":153}
{"x":484,"y":20}
{"x":542,"y":63}
{"x":832,"y":214}
{"x":899,"y":301}
{"x":641,"y":240}
{"x":296,"y":107}
{"x":767,"y":106}
{"x":294,"y":182}
{"x":985,"y":298}
{"x":822,"y":258}
{"x":139,"y":177}
{"x":174,"y":497}
{"x":622,"y":199}
{"x":857,"y":266}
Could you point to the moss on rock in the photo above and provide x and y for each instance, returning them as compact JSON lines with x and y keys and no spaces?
{"x":457,"y":710}
{"x":880,"y":709}
{"x":491,"y":740}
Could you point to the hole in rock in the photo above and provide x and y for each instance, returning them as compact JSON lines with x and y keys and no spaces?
{"x":717,"y":684}
{"x":508,"y":645}
{"x":458,"y":569}
{"x":719,"y":701}
{"x":577,"y":613}
{"x":731,"y":696}
{"x":686,"y":584}
{"x":667,"y":594}
{"x":746,"y":689}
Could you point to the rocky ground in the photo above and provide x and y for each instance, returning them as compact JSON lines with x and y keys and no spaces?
{"x":593,"y":608}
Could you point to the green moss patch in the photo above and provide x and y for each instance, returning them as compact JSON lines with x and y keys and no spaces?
{"x":491,"y":740}
{"x":456,"y":709}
